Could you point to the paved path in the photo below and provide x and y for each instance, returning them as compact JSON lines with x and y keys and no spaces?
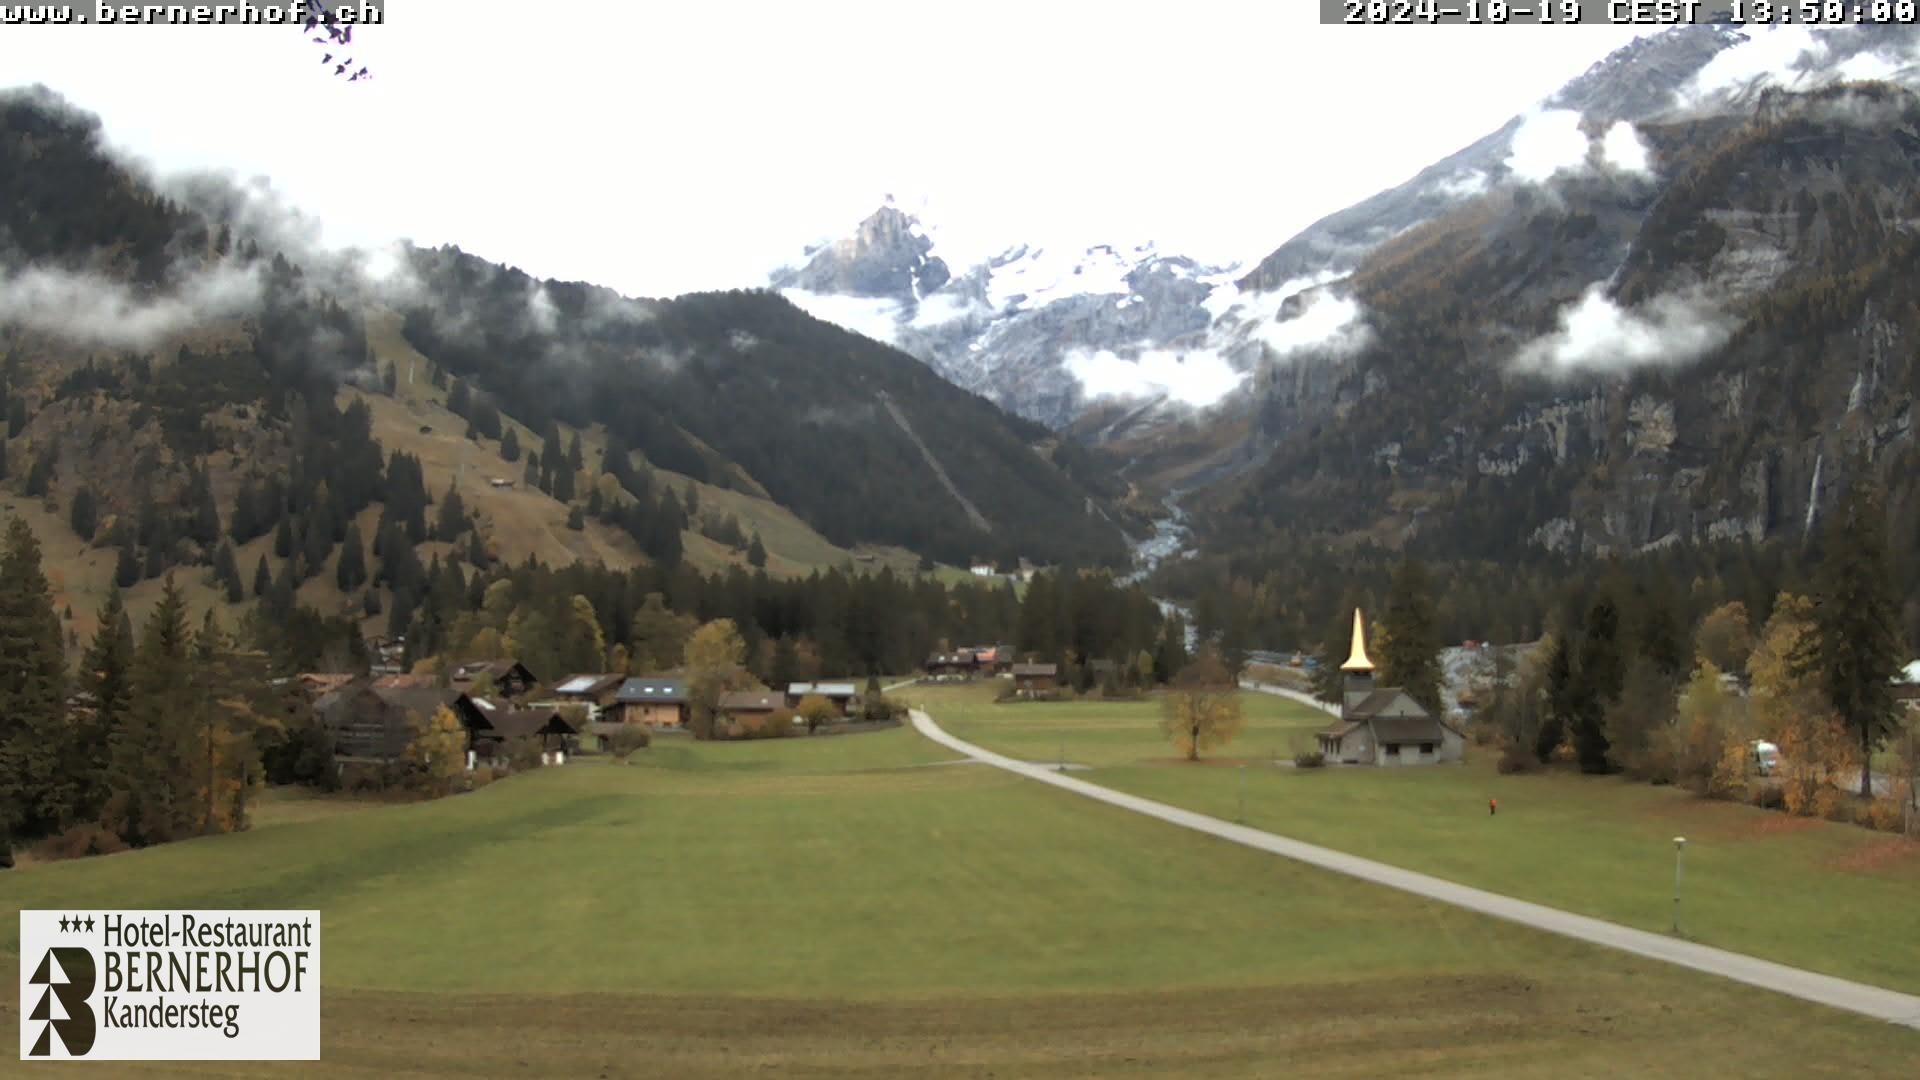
{"x":1855,"y":997}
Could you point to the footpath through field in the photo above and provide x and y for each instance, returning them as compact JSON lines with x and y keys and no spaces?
{"x":1872,"y":1001}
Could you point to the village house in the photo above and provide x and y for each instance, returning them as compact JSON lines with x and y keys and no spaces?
{"x":510,"y":678}
{"x":839,"y":695}
{"x":1384,"y":725}
{"x":746,"y":711}
{"x":596,"y":692}
{"x":1034,"y":680}
{"x":992,"y":659}
{"x":948,"y":666}
{"x":557,"y":737}
{"x":364,"y":724}
{"x":655,"y":702}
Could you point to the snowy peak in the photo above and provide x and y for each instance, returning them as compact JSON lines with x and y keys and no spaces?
{"x":889,"y":255}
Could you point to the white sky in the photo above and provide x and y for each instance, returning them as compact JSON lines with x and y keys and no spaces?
{"x":664,"y":147}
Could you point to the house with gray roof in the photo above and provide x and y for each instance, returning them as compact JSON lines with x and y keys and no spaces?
{"x":651,"y":700}
{"x":1384,"y":725}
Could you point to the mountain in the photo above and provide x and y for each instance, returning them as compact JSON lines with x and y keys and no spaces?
{"x":187,"y":384}
{"x":1045,"y":332}
{"x":1664,"y":333}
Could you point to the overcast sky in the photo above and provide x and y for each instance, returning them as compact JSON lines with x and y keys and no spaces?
{"x":659,"y":148}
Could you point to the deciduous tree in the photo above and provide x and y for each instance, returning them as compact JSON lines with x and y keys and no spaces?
{"x":1202,"y":709}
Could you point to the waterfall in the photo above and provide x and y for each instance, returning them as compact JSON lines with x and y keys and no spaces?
{"x":1813,"y":494}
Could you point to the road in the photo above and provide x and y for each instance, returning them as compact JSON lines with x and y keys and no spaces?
{"x":1872,"y":1001}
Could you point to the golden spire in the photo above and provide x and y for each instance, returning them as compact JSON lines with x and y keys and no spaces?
{"x":1358,"y":661}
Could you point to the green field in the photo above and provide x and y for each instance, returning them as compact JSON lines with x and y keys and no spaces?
{"x":851,"y":906}
{"x":1832,"y":898}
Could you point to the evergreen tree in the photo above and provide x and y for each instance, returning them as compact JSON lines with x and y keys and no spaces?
{"x":105,"y":675}
{"x":39,"y":792}
{"x":16,"y":417}
{"x":226,"y":572}
{"x":452,"y":518}
{"x":203,"y":522}
{"x":3,"y":469}
{"x":563,"y":483}
{"x":152,"y":780}
{"x":283,"y":538}
{"x":39,"y":475}
{"x":245,"y":522}
{"x":1601,"y":674}
{"x":83,"y":514}
{"x":351,"y":571}
{"x":576,"y":519}
{"x":531,"y":475}
{"x":1561,"y":699}
{"x":510,"y":444}
{"x":756,"y":553}
{"x":1857,"y":651}
{"x":576,"y":460}
{"x":459,"y":398}
{"x":262,"y":577}
{"x":1410,"y":651}
{"x":486,"y":418}
{"x":126,"y":571}
{"x":476,"y":551}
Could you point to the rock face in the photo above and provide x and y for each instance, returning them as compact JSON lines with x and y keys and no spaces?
{"x":1622,"y":355}
{"x":887,"y":256}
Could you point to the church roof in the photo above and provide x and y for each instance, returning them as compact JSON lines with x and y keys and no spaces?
{"x":1373,"y":703}
{"x":1357,"y":660}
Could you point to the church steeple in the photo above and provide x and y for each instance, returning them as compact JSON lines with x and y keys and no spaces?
{"x":1358,"y":669}
{"x":1358,"y":661}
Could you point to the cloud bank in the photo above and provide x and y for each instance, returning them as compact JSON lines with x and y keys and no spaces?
{"x":1597,"y":336}
{"x":88,"y":309}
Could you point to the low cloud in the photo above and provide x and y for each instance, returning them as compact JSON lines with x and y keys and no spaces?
{"x":1773,"y":57}
{"x":1327,"y":324}
{"x":1199,"y":377}
{"x":1463,"y":185}
{"x":867,"y":316}
{"x":1597,"y":336}
{"x":1623,"y":150}
{"x":1548,"y":142}
{"x":91,"y":310}
{"x":541,"y":310}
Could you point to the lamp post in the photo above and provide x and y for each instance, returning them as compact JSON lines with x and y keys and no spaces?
{"x":1679,"y":863}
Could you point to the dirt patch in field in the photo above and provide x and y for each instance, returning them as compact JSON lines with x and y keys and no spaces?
{"x":1877,"y":856}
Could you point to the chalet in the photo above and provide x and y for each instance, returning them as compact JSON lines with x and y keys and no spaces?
{"x":1384,"y":725}
{"x":943,"y":667}
{"x":839,"y":694}
{"x":655,"y":702}
{"x":743,"y":711}
{"x":596,"y":692}
{"x":1035,"y":679}
{"x":510,"y":678}
{"x":363,"y":723}
{"x":556,"y":735}
{"x":992,"y":659}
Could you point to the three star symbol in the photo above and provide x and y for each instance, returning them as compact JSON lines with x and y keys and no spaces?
{"x":75,"y":924}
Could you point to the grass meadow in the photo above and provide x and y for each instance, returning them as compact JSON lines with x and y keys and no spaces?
{"x":863,"y":906}
{"x":1832,"y":898}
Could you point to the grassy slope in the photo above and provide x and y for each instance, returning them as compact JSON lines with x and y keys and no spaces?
{"x":1827,"y":897}
{"x":529,"y":520}
{"x":836,"y":906}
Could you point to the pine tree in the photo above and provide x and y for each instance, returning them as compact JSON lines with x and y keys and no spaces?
{"x":756,"y":553}
{"x":226,"y":571}
{"x":576,"y":519}
{"x":1857,"y":650}
{"x":3,"y":458}
{"x":83,"y":514}
{"x":452,"y":517}
{"x":531,"y":475}
{"x":459,"y":398}
{"x":126,"y":571}
{"x":262,"y":577}
{"x":152,"y":780}
{"x":105,"y":675}
{"x":204,"y":521}
{"x":576,"y":460}
{"x":39,"y":792}
{"x":510,"y":444}
{"x":563,"y":483}
{"x":283,"y":538}
{"x":1599,"y":680}
{"x":351,"y":571}
{"x":1410,"y":649}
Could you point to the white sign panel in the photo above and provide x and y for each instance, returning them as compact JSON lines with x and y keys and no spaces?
{"x":169,"y":985}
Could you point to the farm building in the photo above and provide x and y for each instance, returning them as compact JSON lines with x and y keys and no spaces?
{"x":1035,"y":679}
{"x":1383,"y":725}
{"x":745,"y":711}
{"x":655,"y":702}
{"x":596,"y":692}
{"x":841,"y":695}
{"x":510,"y":678}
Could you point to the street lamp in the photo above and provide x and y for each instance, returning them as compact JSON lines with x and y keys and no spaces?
{"x":1679,"y":862}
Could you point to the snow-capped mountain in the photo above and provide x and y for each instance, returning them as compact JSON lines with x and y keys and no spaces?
{"x":1042,"y":330}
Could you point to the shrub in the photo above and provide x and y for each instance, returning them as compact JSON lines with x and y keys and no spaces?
{"x":1310,"y":759}
{"x":524,"y":752}
{"x":628,"y":739}
{"x":1887,"y":815}
{"x":78,"y":842}
{"x":1516,"y":758}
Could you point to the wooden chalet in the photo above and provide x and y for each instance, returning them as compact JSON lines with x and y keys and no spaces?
{"x":1034,"y":679}
{"x":556,"y":735}
{"x":510,"y":678}
{"x":596,"y":692}
{"x":993,"y":660}
{"x":839,"y":695}
{"x":950,"y":665}
{"x":364,"y":723}
{"x":745,"y":711}
{"x":655,"y":702}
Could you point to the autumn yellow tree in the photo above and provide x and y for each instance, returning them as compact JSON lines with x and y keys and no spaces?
{"x":1815,"y":755}
{"x":438,"y":752}
{"x":715,"y":660}
{"x":1783,"y":687}
{"x":1712,"y":735}
{"x":1202,"y":710}
{"x":815,"y":711}
{"x":1725,"y":637}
